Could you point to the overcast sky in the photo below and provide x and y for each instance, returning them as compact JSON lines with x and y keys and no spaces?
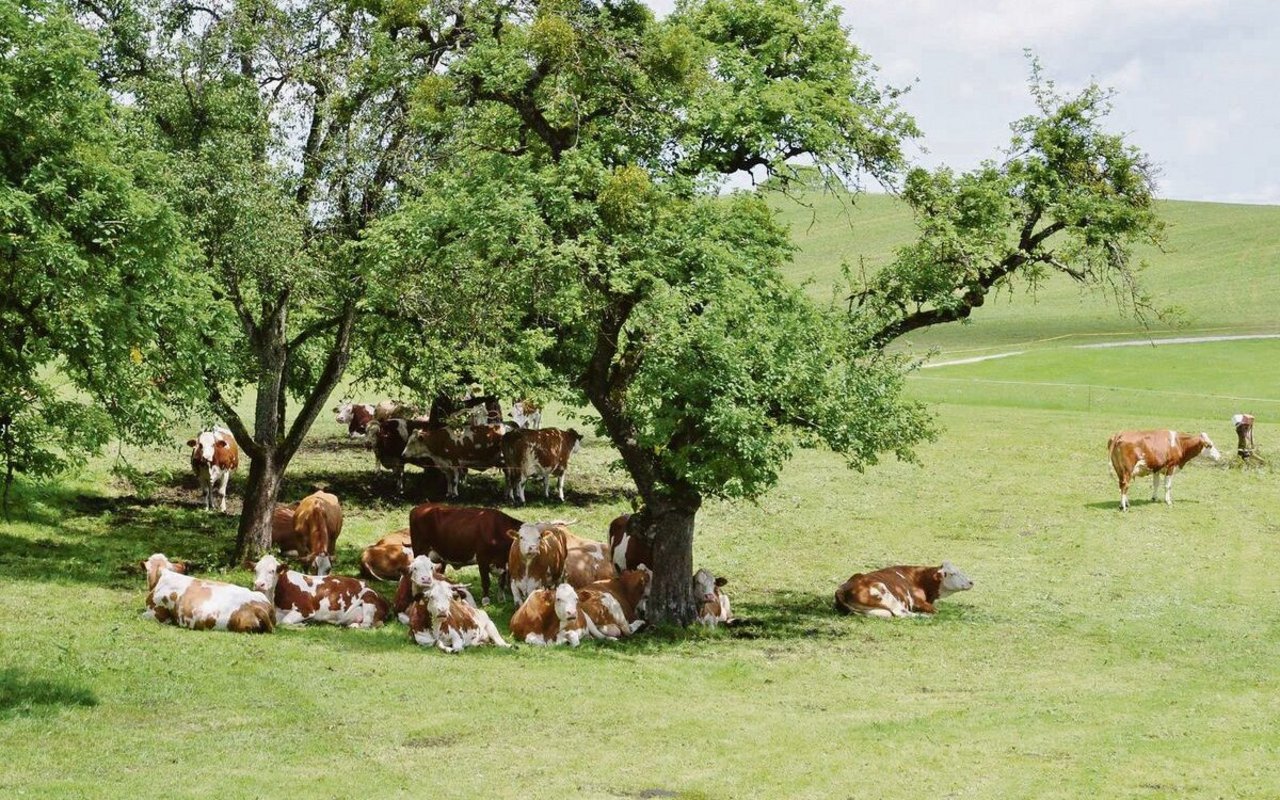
{"x":1198,"y":81}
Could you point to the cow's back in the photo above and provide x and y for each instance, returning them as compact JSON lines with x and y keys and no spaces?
{"x":1152,"y":449}
{"x":459,"y":534}
{"x":317,"y":522}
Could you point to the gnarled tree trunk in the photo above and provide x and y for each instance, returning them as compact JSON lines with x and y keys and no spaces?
{"x":668,"y":525}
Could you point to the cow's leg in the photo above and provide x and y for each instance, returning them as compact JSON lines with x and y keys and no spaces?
{"x":1124,"y":492}
{"x":1155,"y":485}
{"x":1168,"y":487}
{"x":222,"y":491}
{"x":560,"y":487}
{"x":546,"y":486}
{"x":484,"y":583}
{"x":520,"y":488}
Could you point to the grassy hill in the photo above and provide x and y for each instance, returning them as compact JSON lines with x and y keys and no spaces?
{"x":1221,"y":267}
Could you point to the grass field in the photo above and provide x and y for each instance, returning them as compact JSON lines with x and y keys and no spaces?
{"x":1099,"y":654}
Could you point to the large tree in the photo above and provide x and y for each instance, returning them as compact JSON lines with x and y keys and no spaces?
{"x":608,"y":134}
{"x":90,"y":256}
{"x":287,"y":127}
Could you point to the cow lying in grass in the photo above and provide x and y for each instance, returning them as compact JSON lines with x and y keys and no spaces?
{"x":545,"y":554}
{"x":901,"y":591}
{"x":713,"y":604}
{"x":333,"y":599}
{"x":187,"y":602}
{"x":564,"y":615}
{"x":417,"y":578}
{"x":450,"y":624}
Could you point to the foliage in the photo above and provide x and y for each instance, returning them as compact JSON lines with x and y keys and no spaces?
{"x":1069,"y":198}
{"x":88,"y":255}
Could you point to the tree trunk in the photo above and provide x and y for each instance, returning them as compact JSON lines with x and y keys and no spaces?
{"x":668,"y":526}
{"x":266,"y":473}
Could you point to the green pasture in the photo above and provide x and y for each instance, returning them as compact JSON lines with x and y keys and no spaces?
{"x":1099,"y":654}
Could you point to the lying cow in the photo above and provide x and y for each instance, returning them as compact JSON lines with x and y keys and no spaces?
{"x":1139,"y":453}
{"x":630,"y":588}
{"x":540,"y":618}
{"x":900,"y":591}
{"x":173,"y":596}
{"x":455,"y":450}
{"x":333,"y":599}
{"x":532,"y":453}
{"x":449,"y":624}
{"x":417,"y":578}
{"x":387,"y":558}
{"x":713,"y":604}
{"x":547,"y":553}
{"x":460,"y":536}
{"x":214,"y":456}
{"x":317,"y":522}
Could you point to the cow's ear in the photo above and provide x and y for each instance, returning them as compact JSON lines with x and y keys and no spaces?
{"x":180,"y":566}
{"x":248,"y":565}
{"x":191,"y":443}
{"x":143,"y":564}
{"x":721,"y":581}
{"x":220,"y":443}
{"x":282,"y":568}
{"x":513,"y":534}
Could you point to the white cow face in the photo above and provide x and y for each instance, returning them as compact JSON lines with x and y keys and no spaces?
{"x":439,"y":596}
{"x":705,"y":584}
{"x":206,"y":442}
{"x":415,"y":444}
{"x":566,"y":603}
{"x":343,"y":412}
{"x":266,"y":573}
{"x":422,"y":572}
{"x":322,"y":564}
{"x":1209,"y":448}
{"x":953,"y":580}
{"x":530,"y":538}
{"x":156,"y":562}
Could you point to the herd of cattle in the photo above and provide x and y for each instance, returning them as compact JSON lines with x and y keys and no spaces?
{"x":566,"y":588}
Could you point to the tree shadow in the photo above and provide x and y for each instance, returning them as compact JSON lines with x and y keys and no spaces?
{"x":22,"y":695}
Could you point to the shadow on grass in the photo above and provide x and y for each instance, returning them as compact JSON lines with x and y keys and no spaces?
{"x":1114,"y":505}
{"x":22,"y":695}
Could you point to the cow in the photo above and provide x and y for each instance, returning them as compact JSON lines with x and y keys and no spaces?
{"x":626,"y":549}
{"x":460,"y":536}
{"x":901,"y":591}
{"x":601,"y":616}
{"x":282,"y":535}
{"x":356,"y":416}
{"x":536,"y":620}
{"x":390,"y":438}
{"x":214,"y":456}
{"x":417,"y":577}
{"x":713,"y":604}
{"x":455,"y":450}
{"x":530,"y":453}
{"x":387,"y":558}
{"x":333,"y":599}
{"x":316,"y":525}
{"x":630,"y":588}
{"x":526,"y":414}
{"x":175,"y":597}
{"x":547,"y":553}
{"x":1138,"y":453}
{"x":449,"y":624}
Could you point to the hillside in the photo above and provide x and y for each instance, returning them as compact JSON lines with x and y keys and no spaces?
{"x":1221,"y":268}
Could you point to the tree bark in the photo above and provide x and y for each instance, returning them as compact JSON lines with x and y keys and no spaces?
{"x":668,"y":525}
{"x":253,"y":540}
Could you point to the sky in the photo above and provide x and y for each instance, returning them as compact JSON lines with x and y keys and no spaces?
{"x":1197,"y":81}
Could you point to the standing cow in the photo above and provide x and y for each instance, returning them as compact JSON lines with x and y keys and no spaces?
{"x":528,"y":453}
{"x":214,"y":456}
{"x":1139,"y":453}
{"x":460,"y":536}
{"x":316,"y":525}
{"x":455,"y":450}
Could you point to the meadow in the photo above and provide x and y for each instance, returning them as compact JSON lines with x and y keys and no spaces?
{"x":1099,"y":654}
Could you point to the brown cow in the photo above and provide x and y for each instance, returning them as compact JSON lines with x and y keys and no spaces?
{"x":630,"y":588}
{"x":1138,"y":453}
{"x":282,"y":535}
{"x":460,"y":536}
{"x":387,"y":558}
{"x":214,"y":456}
{"x":547,"y":553}
{"x":173,"y":596}
{"x":455,"y":450}
{"x":901,"y":591}
{"x":626,"y":549}
{"x":451,"y":625}
{"x":316,"y":525}
{"x":536,"y":620}
{"x":713,"y":604}
{"x":527,"y":453}
{"x":302,"y":598}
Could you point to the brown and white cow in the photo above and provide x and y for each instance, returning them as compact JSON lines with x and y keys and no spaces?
{"x":535,"y":621}
{"x":390,"y":438}
{"x":334,"y":599}
{"x":449,"y":624}
{"x":627,"y":550}
{"x":417,"y":578}
{"x":901,"y":591}
{"x":530,"y":453}
{"x":317,"y":522}
{"x":630,"y":588}
{"x":214,"y":456}
{"x":178,"y":598}
{"x":526,"y":414}
{"x":460,"y":536}
{"x":1139,"y":453}
{"x":548,"y":553}
{"x":600,"y":616}
{"x":713,"y":604}
{"x":356,"y":416}
{"x":455,"y":450}
{"x":387,"y":558}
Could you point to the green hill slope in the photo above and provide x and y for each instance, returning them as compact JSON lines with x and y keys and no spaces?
{"x":1221,"y":267}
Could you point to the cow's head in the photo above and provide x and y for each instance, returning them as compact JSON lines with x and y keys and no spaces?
{"x":705,"y":585}
{"x":952,"y":580}
{"x":576,"y":438}
{"x":637,"y":583}
{"x":415,"y":443}
{"x":422,"y":572}
{"x":342,"y":412}
{"x":157,"y":562}
{"x":1209,"y":448}
{"x":321,"y":563}
{"x":566,"y":604}
{"x":439,"y":597}
{"x":267,"y":573}
{"x":530,"y":536}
